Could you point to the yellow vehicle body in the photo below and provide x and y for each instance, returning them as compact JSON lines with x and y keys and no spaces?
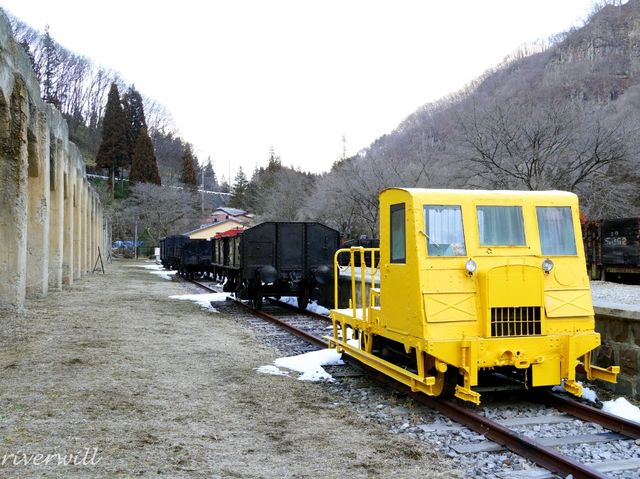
{"x":462,"y":289}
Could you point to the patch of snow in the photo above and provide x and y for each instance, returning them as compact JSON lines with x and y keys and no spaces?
{"x":289,"y":300}
{"x":589,"y":394}
{"x":622,"y":408}
{"x":164,"y":274}
{"x":309,"y":365}
{"x":350,"y":340}
{"x":313,"y":306}
{"x":204,"y":300}
{"x":148,"y":266}
{"x":619,"y":407}
{"x":270,"y":369}
{"x":615,"y":296}
{"x":156,"y":269}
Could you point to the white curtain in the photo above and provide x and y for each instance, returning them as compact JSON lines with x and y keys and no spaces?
{"x":501,"y":226}
{"x":445,"y":236}
{"x":556,"y":230}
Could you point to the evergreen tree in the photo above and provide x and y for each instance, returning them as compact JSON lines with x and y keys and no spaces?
{"x":224,"y":185}
{"x":188,"y":176}
{"x":32,"y":59}
{"x":144,"y":167}
{"x":134,"y":116}
{"x":131,"y":141}
{"x":113,"y":152}
{"x":239,"y":191}
{"x":274,"y":163}
{"x":210,"y":181}
{"x":51,"y":66}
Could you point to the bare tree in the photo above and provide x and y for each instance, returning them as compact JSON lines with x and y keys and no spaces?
{"x":282,"y":200}
{"x":160,"y":211}
{"x":539,"y":146}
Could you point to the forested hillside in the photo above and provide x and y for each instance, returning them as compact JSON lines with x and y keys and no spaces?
{"x":123,"y":134}
{"x":564,"y":115}
{"x":79,"y":89}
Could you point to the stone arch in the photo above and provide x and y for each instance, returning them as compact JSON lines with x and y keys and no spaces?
{"x":55,"y":147}
{"x":5,"y":122}
{"x":32,"y":154}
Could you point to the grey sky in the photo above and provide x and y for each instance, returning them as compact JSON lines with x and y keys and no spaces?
{"x":241,"y":76}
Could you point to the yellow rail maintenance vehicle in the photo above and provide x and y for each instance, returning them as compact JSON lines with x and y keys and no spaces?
{"x":472,"y":281}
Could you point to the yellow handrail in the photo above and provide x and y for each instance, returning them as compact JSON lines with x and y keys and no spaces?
{"x":374,"y":254}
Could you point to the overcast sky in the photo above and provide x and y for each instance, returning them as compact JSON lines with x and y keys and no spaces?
{"x":242,"y":76}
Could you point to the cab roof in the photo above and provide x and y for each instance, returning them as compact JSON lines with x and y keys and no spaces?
{"x":486,"y":194}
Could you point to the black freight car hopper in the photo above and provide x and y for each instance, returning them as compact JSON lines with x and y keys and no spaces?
{"x":195,"y":258}
{"x":276,"y":259}
{"x":171,"y":250}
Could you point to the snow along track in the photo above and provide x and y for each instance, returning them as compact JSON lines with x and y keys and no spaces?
{"x":534,"y":436}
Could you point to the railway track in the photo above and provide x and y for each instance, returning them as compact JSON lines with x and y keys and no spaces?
{"x":531,"y":436}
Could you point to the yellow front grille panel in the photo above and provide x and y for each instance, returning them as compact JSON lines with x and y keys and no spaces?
{"x":515,"y":321}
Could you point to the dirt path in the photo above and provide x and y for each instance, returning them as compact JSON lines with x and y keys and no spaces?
{"x":139,"y":385}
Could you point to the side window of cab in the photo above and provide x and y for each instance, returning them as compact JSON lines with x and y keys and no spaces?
{"x":398,"y":234}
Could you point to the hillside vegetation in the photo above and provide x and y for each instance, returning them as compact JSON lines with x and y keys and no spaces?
{"x":563,"y":116}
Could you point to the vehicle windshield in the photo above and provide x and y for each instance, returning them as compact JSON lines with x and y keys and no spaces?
{"x":500,"y":226}
{"x":555,"y":227}
{"x":443,"y":228}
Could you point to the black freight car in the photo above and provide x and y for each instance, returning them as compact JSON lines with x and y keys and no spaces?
{"x":225,"y":258}
{"x":276,"y":259}
{"x":195,"y":258}
{"x":612,"y":247}
{"x":171,"y":250}
{"x":364,"y":242}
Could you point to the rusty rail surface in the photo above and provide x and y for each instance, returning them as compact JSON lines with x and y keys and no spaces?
{"x":296,"y":309}
{"x":591,"y":414}
{"x":544,"y":456}
{"x":310,"y":338}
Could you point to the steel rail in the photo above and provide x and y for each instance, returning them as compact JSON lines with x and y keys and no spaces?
{"x":310,"y":338}
{"x":522,"y":445}
{"x":544,"y":456}
{"x":296,"y":309}
{"x":277,"y":302}
{"x":591,"y":414}
{"x":526,"y":447}
{"x":198,"y":283}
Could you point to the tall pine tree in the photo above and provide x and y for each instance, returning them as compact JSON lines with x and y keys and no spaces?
{"x":133,"y":108}
{"x":51,"y":65}
{"x":239,"y":191}
{"x":210,"y":181}
{"x":144,"y":167}
{"x":188,"y":176}
{"x":131,"y":142}
{"x":113,"y":152}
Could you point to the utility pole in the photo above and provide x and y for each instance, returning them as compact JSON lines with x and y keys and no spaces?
{"x":202,"y":200}
{"x":344,"y":147}
{"x":135,"y":240}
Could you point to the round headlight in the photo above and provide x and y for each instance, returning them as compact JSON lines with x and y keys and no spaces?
{"x":547,"y":265}
{"x":470,"y":266}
